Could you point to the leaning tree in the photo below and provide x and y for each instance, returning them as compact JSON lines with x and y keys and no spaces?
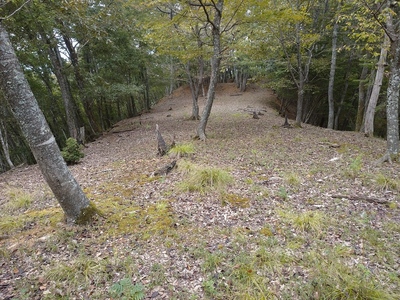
{"x":76,"y":206}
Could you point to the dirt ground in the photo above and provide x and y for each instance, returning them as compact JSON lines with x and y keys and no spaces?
{"x":278,"y":173}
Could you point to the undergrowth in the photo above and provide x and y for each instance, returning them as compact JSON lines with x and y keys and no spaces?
{"x":203,"y":178}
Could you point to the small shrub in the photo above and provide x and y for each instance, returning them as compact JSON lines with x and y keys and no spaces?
{"x":282,"y":193}
{"x":126,"y":290}
{"x":355,"y":167}
{"x":72,"y":152}
{"x":181,"y":150}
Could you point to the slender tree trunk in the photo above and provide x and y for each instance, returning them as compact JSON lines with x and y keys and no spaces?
{"x":69,"y":105}
{"x":373,"y":100}
{"x":331,"y":102}
{"x":215,"y":63}
{"x":80,"y":83}
{"x":303,"y":71}
{"x":194,"y":88}
{"x":4,"y":144}
{"x":361,"y":98}
{"x":343,"y":95}
{"x":300,"y":100}
{"x":171,"y":77}
{"x":146,"y":91}
{"x":38,"y":135}
{"x":342,"y":98}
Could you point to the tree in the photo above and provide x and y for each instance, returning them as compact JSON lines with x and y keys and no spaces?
{"x":331,"y":101}
{"x":297,"y":34}
{"x":393,"y":90}
{"x":373,"y":100}
{"x":58,"y":69}
{"x":76,"y":206}
{"x":213,"y":12}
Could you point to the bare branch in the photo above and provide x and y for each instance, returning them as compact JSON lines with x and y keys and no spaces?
{"x":375,"y":14}
{"x":228,"y":26}
{"x":15,"y":11}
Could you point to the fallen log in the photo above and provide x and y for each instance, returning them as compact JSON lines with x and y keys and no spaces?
{"x":363,"y":198}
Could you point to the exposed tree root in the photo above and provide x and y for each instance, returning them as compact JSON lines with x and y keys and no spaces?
{"x":384,"y":158}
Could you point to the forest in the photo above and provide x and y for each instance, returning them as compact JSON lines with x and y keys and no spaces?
{"x":210,"y":149}
{"x":91,"y":64}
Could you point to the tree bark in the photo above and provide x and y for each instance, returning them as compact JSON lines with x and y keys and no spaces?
{"x":373,"y":100}
{"x":393,"y":90}
{"x":34,"y":127}
{"x":215,"y":63}
{"x":331,"y":102}
{"x":392,"y":108}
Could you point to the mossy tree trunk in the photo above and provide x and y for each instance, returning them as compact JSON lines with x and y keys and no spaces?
{"x":35,"y":129}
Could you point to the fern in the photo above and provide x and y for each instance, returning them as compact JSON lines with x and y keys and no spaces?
{"x":125,"y":290}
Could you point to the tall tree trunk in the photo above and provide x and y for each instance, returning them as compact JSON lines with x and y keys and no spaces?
{"x":361,"y":98}
{"x":171,"y":77}
{"x":215,"y":63}
{"x":331,"y":102}
{"x":194,"y":88}
{"x":301,"y":79}
{"x":393,"y":91}
{"x":80,"y":83}
{"x":34,"y":127}
{"x":69,"y":105}
{"x":300,"y":100}
{"x":343,"y":95}
{"x":146,"y":91}
{"x":373,"y":100}
{"x":342,"y":98}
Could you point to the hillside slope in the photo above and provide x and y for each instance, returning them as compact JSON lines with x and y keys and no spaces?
{"x":304,"y":213}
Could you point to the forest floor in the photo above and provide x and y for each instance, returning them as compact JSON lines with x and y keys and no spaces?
{"x":257,"y":211}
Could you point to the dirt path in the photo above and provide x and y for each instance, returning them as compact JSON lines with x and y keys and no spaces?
{"x":295,"y":194}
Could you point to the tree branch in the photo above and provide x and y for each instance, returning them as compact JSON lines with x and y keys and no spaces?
{"x":15,"y":11}
{"x":375,"y":16}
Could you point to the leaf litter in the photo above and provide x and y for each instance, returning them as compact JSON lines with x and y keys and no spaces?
{"x":292,"y":221}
